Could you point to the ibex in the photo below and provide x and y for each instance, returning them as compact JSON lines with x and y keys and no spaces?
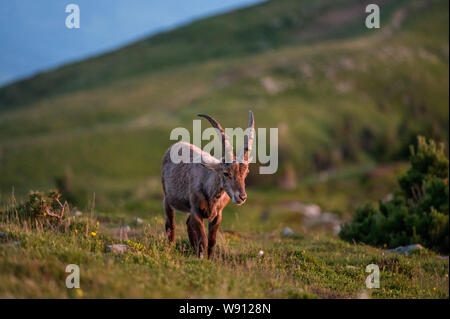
{"x":204,"y":189}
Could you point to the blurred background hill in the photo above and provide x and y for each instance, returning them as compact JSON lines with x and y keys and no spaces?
{"x":348,"y":101}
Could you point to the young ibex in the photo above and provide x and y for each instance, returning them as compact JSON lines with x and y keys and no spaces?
{"x":204,"y":189}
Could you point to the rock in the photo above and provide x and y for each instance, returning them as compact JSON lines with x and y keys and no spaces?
{"x":325,"y":220}
{"x":307,"y":210}
{"x":287,"y":231}
{"x":331,"y":220}
{"x":337,"y":228}
{"x":306,"y":70}
{"x":2,"y":235}
{"x":76,"y":213}
{"x":404,"y":249}
{"x":311,"y":210}
{"x":292,"y":206}
{"x":389,"y":197}
{"x":344,"y":87}
{"x":347,"y":64}
{"x":313,"y":216}
{"x":138,"y":220}
{"x":116,"y":248}
{"x":351,"y":267}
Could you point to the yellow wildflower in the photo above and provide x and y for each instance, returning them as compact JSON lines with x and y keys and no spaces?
{"x":94,"y":234}
{"x":76,"y":230}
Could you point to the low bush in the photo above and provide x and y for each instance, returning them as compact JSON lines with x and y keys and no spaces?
{"x":418,"y":211}
{"x":40,"y":206}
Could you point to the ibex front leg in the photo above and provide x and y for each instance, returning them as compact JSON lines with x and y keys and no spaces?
{"x":197,"y":235}
{"x":212,"y":232}
{"x":195,"y":228}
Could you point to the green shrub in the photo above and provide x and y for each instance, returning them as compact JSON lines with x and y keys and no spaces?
{"x":418,"y":212}
{"x":46,"y":210}
{"x":41,"y":206}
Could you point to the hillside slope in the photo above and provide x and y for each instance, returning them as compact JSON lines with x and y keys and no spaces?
{"x":341,"y":95}
{"x":261,"y":28}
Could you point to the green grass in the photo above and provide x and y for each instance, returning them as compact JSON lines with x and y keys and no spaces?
{"x":303,"y":266}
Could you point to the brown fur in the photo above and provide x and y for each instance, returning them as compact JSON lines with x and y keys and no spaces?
{"x":203,"y":190}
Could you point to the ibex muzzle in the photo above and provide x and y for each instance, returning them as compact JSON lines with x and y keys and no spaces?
{"x":204,"y":189}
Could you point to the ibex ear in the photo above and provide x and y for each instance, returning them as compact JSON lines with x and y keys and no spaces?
{"x":212,"y":166}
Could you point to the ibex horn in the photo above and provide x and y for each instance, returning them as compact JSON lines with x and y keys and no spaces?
{"x":227,"y":148}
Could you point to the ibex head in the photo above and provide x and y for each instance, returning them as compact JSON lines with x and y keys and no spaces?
{"x":232,"y":175}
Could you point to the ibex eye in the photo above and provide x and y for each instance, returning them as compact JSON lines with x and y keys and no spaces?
{"x":227,"y":175}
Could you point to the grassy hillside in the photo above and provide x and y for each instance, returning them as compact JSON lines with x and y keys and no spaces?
{"x":348,"y":102}
{"x":262,"y":28}
{"x":306,"y":264}
{"x":351,"y":100}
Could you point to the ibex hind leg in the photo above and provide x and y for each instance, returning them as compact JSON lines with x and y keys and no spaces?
{"x":190,"y":232}
{"x":170,"y":221}
{"x":212,"y":232}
